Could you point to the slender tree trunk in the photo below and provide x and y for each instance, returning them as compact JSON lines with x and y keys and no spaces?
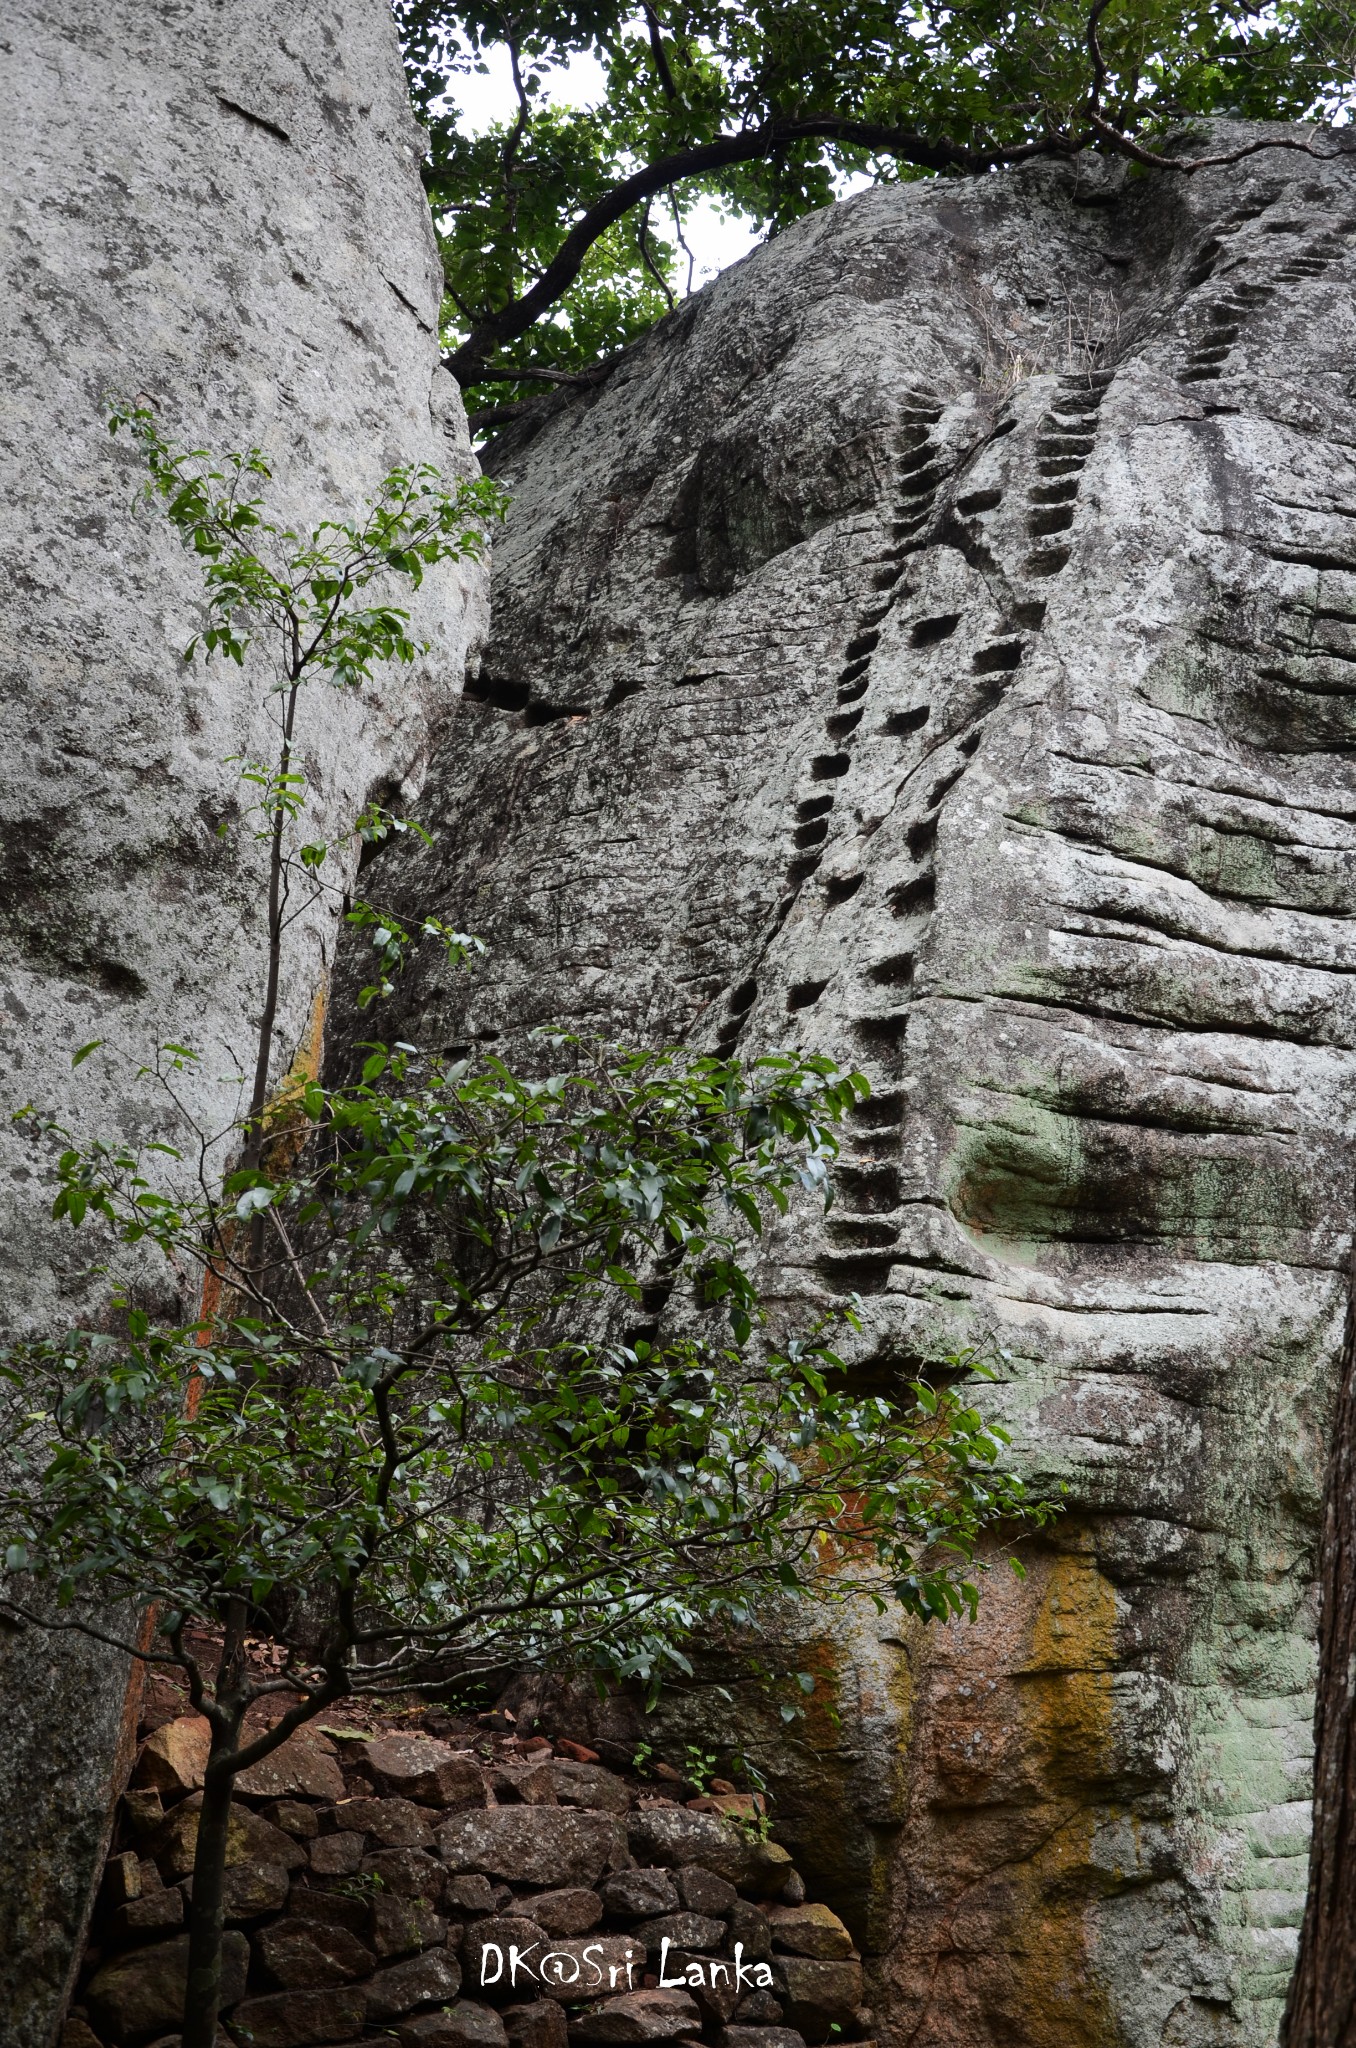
{"x":268,"y":1017}
{"x":254,"y":1128}
{"x":202,"y":1996}
{"x":1321,"y":2010}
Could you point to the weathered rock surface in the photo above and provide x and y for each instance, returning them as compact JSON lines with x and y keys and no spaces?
{"x":809,"y":1931}
{"x":937,"y":646}
{"x":426,"y":1771}
{"x":639,"y":2016}
{"x":299,"y":2019}
{"x":465,"y":2025}
{"x":218,"y":208}
{"x":671,"y":1834}
{"x":527,"y":1846}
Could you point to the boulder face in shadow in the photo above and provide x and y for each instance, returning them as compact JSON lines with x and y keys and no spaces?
{"x":936,"y":646}
{"x":218,"y":210}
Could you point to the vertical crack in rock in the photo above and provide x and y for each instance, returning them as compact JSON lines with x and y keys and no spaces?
{"x":956,"y":609}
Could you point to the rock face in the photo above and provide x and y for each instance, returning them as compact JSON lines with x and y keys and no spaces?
{"x":218,"y":208}
{"x":937,"y":645}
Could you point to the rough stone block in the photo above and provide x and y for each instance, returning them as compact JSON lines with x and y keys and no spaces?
{"x":121,"y":1880}
{"x":571,"y":1911}
{"x":639,"y":2016}
{"x":77,"y":2033}
{"x":250,"y":1890}
{"x":501,"y":1955}
{"x":464,"y":2025}
{"x":640,"y":1894}
{"x":682,"y":1930}
{"x":761,"y":2037}
{"x":421,"y":1768}
{"x":469,"y":1894}
{"x":305,"y":1955}
{"x":427,"y":1979}
{"x":174,"y":1758}
{"x":141,"y":1994}
{"x":294,"y":1818}
{"x":588,"y":1785}
{"x":672,"y":1835}
{"x":538,"y":1846}
{"x":716,"y":1995}
{"x":248,"y":1840}
{"x":305,"y":1767}
{"x":528,"y":1781}
{"x":809,"y":1931}
{"x":409,"y":1873}
{"x":300,"y":2019}
{"x":332,"y":1909}
{"x":338,"y":1855}
{"x":817,"y":1995}
{"x":399,"y":1926}
{"x":156,"y":1913}
{"x":538,"y":2025}
{"x":701,"y":1891}
{"x":143,"y":1813}
{"x":751,"y":1928}
{"x":758,"y":2009}
{"x":393,"y":1823}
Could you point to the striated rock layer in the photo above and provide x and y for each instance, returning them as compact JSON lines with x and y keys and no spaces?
{"x":217,"y":207}
{"x":937,"y":645}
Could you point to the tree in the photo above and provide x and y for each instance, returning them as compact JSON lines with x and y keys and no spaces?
{"x":414,"y":1437}
{"x":1321,"y":2008}
{"x":560,"y":228}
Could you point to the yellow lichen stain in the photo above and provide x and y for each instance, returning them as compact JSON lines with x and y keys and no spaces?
{"x":1012,"y":1776}
{"x":283,"y":1109}
{"x":1066,"y":1704}
{"x":1069,"y":1665}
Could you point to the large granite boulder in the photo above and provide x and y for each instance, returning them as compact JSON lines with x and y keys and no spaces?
{"x":936,"y":645}
{"x":219,"y":208}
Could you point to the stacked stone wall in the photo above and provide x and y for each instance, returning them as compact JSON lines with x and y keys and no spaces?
{"x":480,"y":1892}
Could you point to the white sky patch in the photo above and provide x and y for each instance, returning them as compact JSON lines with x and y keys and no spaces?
{"x":489,"y":97}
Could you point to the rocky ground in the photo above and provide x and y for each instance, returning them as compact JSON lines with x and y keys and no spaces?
{"x":458,"y":1884}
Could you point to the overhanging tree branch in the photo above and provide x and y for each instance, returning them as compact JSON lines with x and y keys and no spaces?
{"x":469,"y":363}
{"x":494,"y":330}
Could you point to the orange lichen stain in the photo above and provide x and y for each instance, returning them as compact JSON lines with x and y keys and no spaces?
{"x":286,"y":1129}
